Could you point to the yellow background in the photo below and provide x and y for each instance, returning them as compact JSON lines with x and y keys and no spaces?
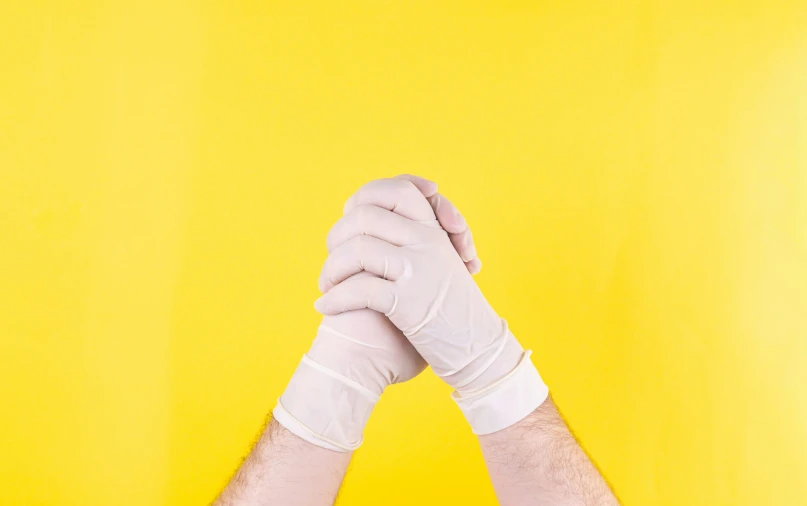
{"x":635,"y":174}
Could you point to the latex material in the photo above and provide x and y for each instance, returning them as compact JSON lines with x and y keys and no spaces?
{"x":356,"y":355}
{"x":424,"y":288}
{"x":325,"y":408}
{"x":506,"y":401}
{"x":353,"y":358}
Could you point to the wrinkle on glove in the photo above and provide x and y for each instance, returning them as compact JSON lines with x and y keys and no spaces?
{"x":334,"y":389}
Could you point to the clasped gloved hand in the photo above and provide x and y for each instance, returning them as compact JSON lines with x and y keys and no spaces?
{"x":390,"y":254}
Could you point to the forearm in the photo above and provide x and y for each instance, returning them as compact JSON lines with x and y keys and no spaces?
{"x":537,"y":461}
{"x":284,"y":469}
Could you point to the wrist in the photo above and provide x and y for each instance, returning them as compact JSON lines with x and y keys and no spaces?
{"x":324,"y":407}
{"x":506,"y":391}
{"x":495,"y":363}
{"x":337,"y":352}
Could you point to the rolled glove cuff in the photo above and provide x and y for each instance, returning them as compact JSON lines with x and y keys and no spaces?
{"x":504,"y":402}
{"x":324,"y":407}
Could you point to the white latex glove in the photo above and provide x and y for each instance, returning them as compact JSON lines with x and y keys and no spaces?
{"x":356,"y":355}
{"x":424,"y":287}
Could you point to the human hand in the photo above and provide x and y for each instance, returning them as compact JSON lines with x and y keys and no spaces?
{"x":423,"y":286}
{"x":394,"y":360}
{"x":357,"y":354}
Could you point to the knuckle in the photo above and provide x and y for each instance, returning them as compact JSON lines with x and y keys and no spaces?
{"x":406,"y":188}
{"x":366,"y":192}
{"x":350,"y":202}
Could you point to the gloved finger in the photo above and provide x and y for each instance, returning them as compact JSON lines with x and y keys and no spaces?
{"x":449,"y":218}
{"x":376,"y":222}
{"x":458,"y":231}
{"x":359,"y":293}
{"x":474,"y":266}
{"x":426,"y":187}
{"x":447,"y":214}
{"x":396,"y":195}
{"x":464,"y":244}
{"x":361,"y":253}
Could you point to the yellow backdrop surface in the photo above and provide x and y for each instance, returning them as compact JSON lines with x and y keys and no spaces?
{"x":635,"y":174}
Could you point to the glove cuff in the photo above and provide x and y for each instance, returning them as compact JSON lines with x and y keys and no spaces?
{"x":504,"y":402}
{"x":325,"y":408}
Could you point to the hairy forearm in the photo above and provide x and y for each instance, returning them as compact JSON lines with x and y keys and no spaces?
{"x":537,"y":461}
{"x":284,"y":469}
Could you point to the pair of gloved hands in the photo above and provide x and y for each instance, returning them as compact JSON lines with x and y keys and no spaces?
{"x":397,"y":295}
